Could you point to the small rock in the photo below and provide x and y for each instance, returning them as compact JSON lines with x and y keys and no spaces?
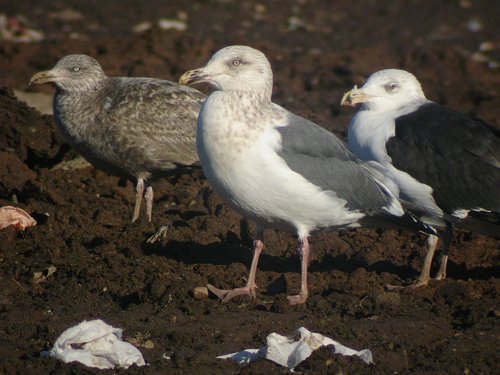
{"x":200,"y":292}
{"x":73,"y":164}
{"x":167,"y":24}
{"x":67,"y":15}
{"x":148,"y":344}
{"x":488,"y":46}
{"x":475,"y":25}
{"x":142,"y":26}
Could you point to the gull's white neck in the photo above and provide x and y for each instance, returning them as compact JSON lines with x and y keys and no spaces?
{"x":370,"y":129}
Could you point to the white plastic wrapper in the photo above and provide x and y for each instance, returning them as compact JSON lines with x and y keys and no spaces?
{"x":289,"y":351}
{"x":95,"y":344}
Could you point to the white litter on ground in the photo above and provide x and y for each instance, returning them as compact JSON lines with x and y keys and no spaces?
{"x":291,"y":350}
{"x":95,"y":344}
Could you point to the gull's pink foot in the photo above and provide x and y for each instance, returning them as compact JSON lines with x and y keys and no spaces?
{"x":414,"y":285}
{"x":297,"y":299}
{"x":228,"y":294}
{"x":249,"y":289}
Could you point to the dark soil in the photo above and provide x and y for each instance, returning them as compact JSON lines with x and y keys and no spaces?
{"x":107,"y":270}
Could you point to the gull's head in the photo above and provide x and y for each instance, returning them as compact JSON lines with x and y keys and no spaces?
{"x":234,"y":68}
{"x":386,"y":90}
{"x":73,"y":73}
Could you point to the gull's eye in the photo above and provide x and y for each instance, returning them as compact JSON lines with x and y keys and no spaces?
{"x":236,"y":62}
{"x":76,"y":69}
{"x":391,"y":86}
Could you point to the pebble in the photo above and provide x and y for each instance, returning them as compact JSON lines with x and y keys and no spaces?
{"x":200,"y":292}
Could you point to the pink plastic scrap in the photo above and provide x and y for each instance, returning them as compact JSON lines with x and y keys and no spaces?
{"x":17,"y":217}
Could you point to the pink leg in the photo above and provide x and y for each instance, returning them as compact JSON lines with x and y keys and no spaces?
{"x":304,"y":258}
{"x":249,"y":289}
{"x":149,"y":202}
{"x":139,"y":190}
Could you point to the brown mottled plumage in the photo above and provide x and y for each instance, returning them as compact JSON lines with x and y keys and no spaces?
{"x":131,"y":127}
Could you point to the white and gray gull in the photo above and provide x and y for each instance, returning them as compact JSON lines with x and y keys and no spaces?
{"x":276,"y":168}
{"x":442,"y":160}
{"x":132,"y":127}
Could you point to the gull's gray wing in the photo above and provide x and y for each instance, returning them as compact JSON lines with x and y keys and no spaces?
{"x":324,"y":160}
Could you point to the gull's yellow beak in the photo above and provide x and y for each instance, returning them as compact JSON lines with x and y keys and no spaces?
{"x":354,"y":96}
{"x":43,"y":77}
{"x":194,"y":76}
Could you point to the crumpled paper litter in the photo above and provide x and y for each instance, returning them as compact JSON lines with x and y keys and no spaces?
{"x":95,"y":344}
{"x":289,"y":351}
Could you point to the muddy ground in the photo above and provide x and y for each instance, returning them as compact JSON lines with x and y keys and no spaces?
{"x":106,"y":269}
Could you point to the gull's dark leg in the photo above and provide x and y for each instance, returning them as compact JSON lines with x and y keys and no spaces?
{"x":304,"y":261}
{"x":139,"y":190}
{"x":149,"y":201}
{"x":251,"y":286}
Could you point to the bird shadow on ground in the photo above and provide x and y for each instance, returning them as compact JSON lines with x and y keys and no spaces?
{"x":455,"y":271}
{"x":218,"y":253}
{"x":229,"y":252}
{"x":232,"y":251}
{"x":460,"y":272}
{"x":344,"y":263}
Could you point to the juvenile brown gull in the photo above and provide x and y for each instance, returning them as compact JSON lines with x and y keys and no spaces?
{"x":442,"y":160}
{"x":137,"y":128}
{"x":278,"y":169}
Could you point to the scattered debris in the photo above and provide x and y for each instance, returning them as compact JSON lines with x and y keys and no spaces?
{"x":289,"y":351}
{"x":142,"y":26}
{"x":95,"y":344}
{"x":141,"y":340}
{"x":40,"y":277}
{"x":163,"y":23}
{"x":73,"y":164}
{"x":159,"y":235}
{"x":475,"y":25}
{"x":480,"y":57}
{"x":15,"y":29}
{"x":488,"y":46}
{"x":167,"y":24}
{"x":17,"y":217}
{"x":486,"y":52}
{"x":67,"y":15}
{"x":167,"y":356}
{"x":296,"y":23}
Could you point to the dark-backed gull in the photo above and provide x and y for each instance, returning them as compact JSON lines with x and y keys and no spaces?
{"x":442,"y":160}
